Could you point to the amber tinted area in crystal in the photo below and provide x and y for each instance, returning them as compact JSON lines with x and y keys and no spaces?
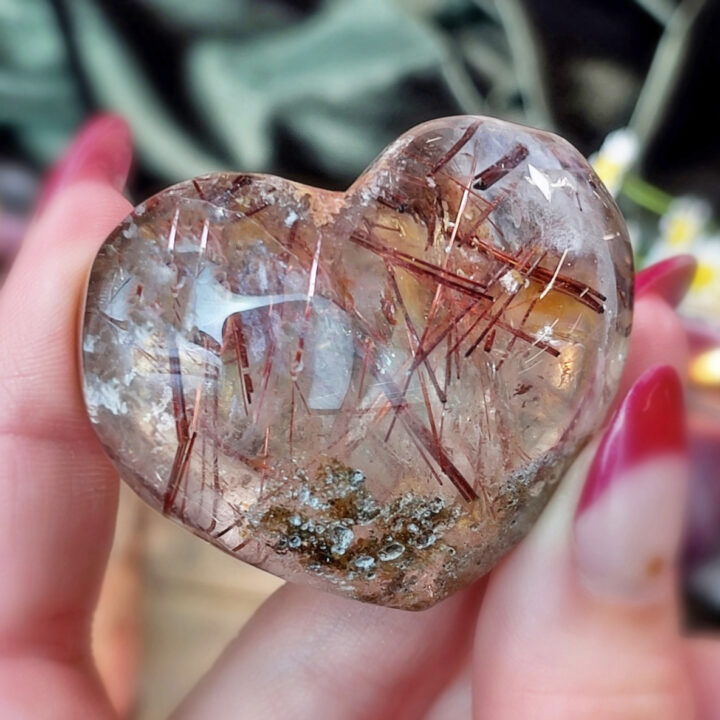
{"x":372,"y":392}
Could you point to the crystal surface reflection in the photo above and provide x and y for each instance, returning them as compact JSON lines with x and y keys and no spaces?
{"x":373,"y":392}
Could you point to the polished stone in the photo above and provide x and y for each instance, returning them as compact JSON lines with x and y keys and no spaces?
{"x":373,"y":392}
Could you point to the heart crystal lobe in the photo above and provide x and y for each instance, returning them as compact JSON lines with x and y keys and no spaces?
{"x":373,"y":392}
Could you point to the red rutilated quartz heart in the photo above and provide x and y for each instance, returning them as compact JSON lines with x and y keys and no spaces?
{"x":372,"y":392}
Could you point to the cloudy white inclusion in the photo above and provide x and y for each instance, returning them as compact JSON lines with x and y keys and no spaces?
{"x":332,"y":344}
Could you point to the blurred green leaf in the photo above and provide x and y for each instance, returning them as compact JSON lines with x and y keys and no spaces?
{"x":224,"y":17}
{"x":37,"y":98}
{"x":661,"y":10}
{"x":30,"y":38}
{"x":339,"y":58}
{"x":38,"y":94}
{"x":120,"y":85}
{"x":528,"y":60}
{"x":665,"y":71}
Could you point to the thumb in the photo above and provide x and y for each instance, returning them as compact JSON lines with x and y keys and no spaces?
{"x":598,"y":635}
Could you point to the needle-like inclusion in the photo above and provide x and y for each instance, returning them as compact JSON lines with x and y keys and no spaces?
{"x":372,"y":392}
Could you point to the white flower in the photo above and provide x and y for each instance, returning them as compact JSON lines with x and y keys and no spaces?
{"x":683,"y":223}
{"x":617,"y":154}
{"x":703,"y":297}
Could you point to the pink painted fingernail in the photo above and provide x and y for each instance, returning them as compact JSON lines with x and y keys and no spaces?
{"x":670,"y":279}
{"x":629,"y":519}
{"x":102,"y":150}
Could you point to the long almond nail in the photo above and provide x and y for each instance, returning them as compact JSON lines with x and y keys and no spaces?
{"x":629,"y":519}
{"x":670,"y":279}
{"x":102,"y":150}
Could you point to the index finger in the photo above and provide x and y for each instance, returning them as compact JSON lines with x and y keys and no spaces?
{"x":57,"y":489}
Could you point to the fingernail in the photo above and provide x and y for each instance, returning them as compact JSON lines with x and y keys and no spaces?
{"x":102,"y":150}
{"x":629,"y":520}
{"x":670,"y":279}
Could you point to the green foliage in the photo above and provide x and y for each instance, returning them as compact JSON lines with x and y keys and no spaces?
{"x":309,"y":89}
{"x":339,"y":82}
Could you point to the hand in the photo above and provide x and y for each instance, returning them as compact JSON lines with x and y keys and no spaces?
{"x":579,"y":622}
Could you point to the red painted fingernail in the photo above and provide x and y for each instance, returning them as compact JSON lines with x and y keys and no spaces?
{"x":629,"y":520}
{"x":650,"y":421}
{"x":102,"y":150}
{"x":670,"y":279}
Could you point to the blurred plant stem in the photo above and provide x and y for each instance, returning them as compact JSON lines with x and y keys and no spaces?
{"x":660,"y":85}
{"x":660,"y":10}
{"x":527,"y":57}
{"x":645,"y":195}
{"x":164,"y":146}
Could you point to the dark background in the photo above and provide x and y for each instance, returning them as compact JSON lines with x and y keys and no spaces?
{"x":574,"y":66}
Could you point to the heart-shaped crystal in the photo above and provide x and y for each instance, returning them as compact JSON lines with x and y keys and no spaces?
{"x":373,"y":392}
